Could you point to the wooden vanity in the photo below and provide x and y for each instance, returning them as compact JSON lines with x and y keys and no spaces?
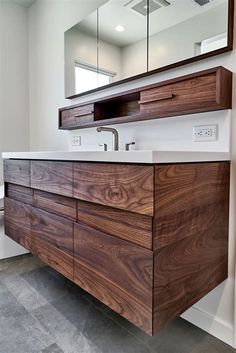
{"x":148,"y":240}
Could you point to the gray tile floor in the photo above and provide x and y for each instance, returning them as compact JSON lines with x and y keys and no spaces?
{"x":42,"y":312}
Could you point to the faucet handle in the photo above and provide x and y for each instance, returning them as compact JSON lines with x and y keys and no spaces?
{"x":104,"y":145}
{"x":128,"y":144}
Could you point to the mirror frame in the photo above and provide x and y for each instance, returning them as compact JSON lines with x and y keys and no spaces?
{"x":225,"y":49}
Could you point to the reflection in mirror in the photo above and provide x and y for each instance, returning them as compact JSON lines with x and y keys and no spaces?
{"x":81,"y":56}
{"x":183,"y":29}
{"x":122,"y":27}
{"x":99,"y":50}
{"x":124,"y":38}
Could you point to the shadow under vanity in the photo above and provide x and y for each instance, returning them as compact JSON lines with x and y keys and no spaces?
{"x":147,"y":238}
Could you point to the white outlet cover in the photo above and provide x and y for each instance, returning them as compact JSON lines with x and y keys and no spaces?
{"x":205,"y":133}
{"x":76,"y":141}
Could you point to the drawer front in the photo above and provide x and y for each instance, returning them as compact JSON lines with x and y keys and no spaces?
{"x":116,"y":272}
{"x":129,"y":226}
{"x":52,"y":176}
{"x":127,"y":187}
{"x":17,"y":222}
{"x":191,"y":95}
{"x":19,"y":193}
{"x":71,"y":118}
{"x":57,"y":204}
{"x":52,"y":238}
{"x":17,"y":171}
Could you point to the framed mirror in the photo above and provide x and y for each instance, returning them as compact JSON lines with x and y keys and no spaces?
{"x":128,"y":39}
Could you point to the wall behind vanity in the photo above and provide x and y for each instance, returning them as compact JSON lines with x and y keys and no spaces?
{"x":47,"y":22}
{"x":14,"y":97}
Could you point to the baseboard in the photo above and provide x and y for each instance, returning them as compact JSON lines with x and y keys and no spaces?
{"x":211,"y":324}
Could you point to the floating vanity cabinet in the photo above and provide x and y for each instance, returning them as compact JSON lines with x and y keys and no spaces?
{"x":146,"y":240}
{"x":203,"y":91}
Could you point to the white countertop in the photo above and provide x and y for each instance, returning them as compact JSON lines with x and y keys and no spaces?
{"x":135,"y":156}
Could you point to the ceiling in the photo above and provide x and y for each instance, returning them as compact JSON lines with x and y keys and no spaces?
{"x":25,"y":3}
{"x":114,"y":12}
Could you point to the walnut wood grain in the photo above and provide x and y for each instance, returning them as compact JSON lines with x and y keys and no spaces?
{"x":190,"y":235}
{"x":52,"y":240}
{"x":17,"y":171}
{"x":127,"y":288}
{"x":79,"y":115}
{"x":188,"y":96}
{"x":53,"y":256}
{"x":19,"y":193}
{"x":52,"y":176}
{"x":17,"y":222}
{"x":57,"y":204}
{"x":54,"y":229}
{"x":123,"y":186}
{"x":202,"y":91}
{"x":180,"y":211}
{"x":129,"y":226}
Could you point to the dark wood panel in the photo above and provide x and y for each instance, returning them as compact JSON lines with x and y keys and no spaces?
{"x":57,"y":204}
{"x":127,"y":288}
{"x":189,"y":197}
{"x":61,"y":261}
{"x":200,"y":96}
{"x":52,"y":176}
{"x":19,"y":193}
{"x":17,"y":171}
{"x":188,"y":96}
{"x":79,"y":115}
{"x":17,"y":222}
{"x":129,"y":226}
{"x":190,"y":235}
{"x":128,"y":187}
{"x":53,"y":229}
{"x":52,"y":240}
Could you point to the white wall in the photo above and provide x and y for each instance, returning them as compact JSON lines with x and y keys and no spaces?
{"x":48,"y":21}
{"x":14,"y":116}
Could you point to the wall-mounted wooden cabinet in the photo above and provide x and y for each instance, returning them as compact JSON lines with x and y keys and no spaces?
{"x":146,"y":240}
{"x":199,"y":92}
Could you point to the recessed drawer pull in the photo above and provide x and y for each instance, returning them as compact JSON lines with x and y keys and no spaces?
{"x":160,"y":97}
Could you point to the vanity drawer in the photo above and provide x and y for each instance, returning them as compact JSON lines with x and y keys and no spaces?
{"x":52,"y":176}
{"x":116,"y":272}
{"x":57,"y":204}
{"x":17,"y":171}
{"x":71,"y":118}
{"x":19,"y":193}
{"x":187,"y":96}
{"x":17,"y":222}
{"x":123,"y":186}
{"x":52,"y":240}
{"x":130,"y":226}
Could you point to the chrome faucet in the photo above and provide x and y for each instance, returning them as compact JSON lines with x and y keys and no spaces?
{"x":114,"y":133}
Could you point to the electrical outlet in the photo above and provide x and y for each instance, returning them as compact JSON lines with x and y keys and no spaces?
{"x":205,"y":133}
{"x":76,"y":141}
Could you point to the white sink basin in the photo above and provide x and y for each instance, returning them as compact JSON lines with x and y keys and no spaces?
{"x":135,"y":156}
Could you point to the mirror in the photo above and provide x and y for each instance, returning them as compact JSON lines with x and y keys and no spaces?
{"x":127,"y":39}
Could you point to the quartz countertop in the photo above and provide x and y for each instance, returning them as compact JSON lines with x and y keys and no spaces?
{"x":134,"y":156}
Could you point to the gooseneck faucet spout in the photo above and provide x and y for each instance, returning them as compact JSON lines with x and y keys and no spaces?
{"x":114,"y":133}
